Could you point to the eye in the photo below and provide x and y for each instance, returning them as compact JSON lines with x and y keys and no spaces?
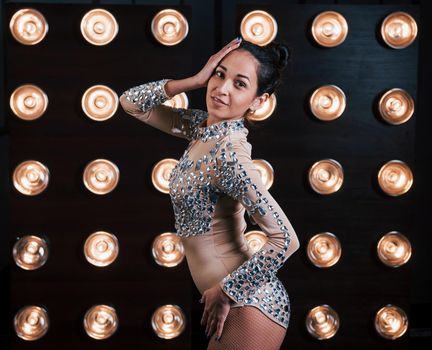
{"x":220,"y":74}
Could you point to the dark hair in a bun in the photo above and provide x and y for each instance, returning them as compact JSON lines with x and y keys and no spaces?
{"x":283,"y":56}
{"x":272,"y":58}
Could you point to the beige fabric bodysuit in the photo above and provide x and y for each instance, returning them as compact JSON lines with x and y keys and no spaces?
{"x":211,"y":187}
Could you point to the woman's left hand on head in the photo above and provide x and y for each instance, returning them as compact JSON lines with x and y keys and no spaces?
{"x":216,"y":309}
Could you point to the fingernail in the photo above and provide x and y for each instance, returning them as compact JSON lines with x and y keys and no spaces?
{"x":238,"y":38}
{"x":217,"y":338}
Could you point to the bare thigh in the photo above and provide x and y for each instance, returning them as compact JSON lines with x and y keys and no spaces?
{"x":247,"y":328}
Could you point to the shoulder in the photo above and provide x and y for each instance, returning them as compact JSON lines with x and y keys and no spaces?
{"x":188,"y":113}
{"x":192,"y":114}
{"x":238,"y":143}
{"x":236,"y":168}
{"x":235,"y":149}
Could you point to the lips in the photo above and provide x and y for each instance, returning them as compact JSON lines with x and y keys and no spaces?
{"x":218,"y":100}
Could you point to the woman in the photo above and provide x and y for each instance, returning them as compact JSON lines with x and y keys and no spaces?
{"x":214,"y":183}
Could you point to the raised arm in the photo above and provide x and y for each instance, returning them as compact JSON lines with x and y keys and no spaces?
{"x":241,"y":180}
{"x":145,"y":102}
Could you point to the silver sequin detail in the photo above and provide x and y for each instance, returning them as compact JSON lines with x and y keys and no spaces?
{"x":148,"y":95}
{"x":219,"y":130}
{"x":192,"y":191}
{"x":195,"y":188}
{"x":249,"y":282}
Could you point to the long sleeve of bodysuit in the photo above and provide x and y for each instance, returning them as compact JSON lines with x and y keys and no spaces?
{"x":145,"y":102}
{"x":240,"y":179}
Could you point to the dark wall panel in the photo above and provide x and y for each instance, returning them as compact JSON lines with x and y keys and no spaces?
{"x":359,"y":214}
{"x":64,"y":65}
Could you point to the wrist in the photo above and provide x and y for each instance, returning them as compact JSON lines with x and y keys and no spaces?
{"x":176,"y":86}
{"x":197,"y":81}
{"x":225,"y":297}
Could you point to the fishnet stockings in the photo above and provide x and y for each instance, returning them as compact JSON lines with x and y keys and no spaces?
{"x":247,"y":328}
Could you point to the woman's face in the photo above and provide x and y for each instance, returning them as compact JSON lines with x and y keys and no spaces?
{"x":234,"y":83}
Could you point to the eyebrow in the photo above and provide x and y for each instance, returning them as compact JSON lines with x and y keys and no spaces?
{"x":240,"y":75}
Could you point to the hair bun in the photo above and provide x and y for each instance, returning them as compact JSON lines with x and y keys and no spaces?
{"x":283,"y":56}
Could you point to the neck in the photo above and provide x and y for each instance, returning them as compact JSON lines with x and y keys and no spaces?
{"x":213,"y":120}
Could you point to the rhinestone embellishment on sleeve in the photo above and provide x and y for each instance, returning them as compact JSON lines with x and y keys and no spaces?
{"x":196,"y":185}
{"x":148,"y":95}
{"x":151,"y":94}
{"x":194,"y":194}
{"x":250,"y":282}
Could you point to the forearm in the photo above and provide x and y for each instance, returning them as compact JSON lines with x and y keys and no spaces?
{"x":174,"y":87}
{"x":146,"y":103}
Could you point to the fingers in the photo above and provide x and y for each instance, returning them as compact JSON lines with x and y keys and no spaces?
{"x":214,"y":318}
{"x":219,"y":329}
{"x":209,"y":320}
{"x":209,"y":328}
{"x":217,"y":57}
{"x":205,"y":313}
{"x":233,"y":44}
{"x":215,"y":328}
{"x":204,"y":317}
{"x":235,"y":41}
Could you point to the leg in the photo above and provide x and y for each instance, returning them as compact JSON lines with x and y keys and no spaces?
{"x":247,"y":328}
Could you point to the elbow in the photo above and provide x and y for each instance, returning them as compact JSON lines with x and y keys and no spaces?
{"x":132,"y":109}
{"x":297,"y":246}
{"x":294,"y":242}
{"x":126,"y":105}
{"x":122,"y":99}
{"x":292,"y":247}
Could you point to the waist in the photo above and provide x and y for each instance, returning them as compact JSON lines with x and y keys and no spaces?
{"x":211,"y":257}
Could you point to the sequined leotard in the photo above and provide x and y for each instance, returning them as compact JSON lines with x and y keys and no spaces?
{"x":211,"y":187}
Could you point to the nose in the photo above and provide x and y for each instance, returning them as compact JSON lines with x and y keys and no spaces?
{"x":224,"y":87}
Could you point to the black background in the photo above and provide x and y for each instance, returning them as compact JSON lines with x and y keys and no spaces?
{"x":65,"y":140}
